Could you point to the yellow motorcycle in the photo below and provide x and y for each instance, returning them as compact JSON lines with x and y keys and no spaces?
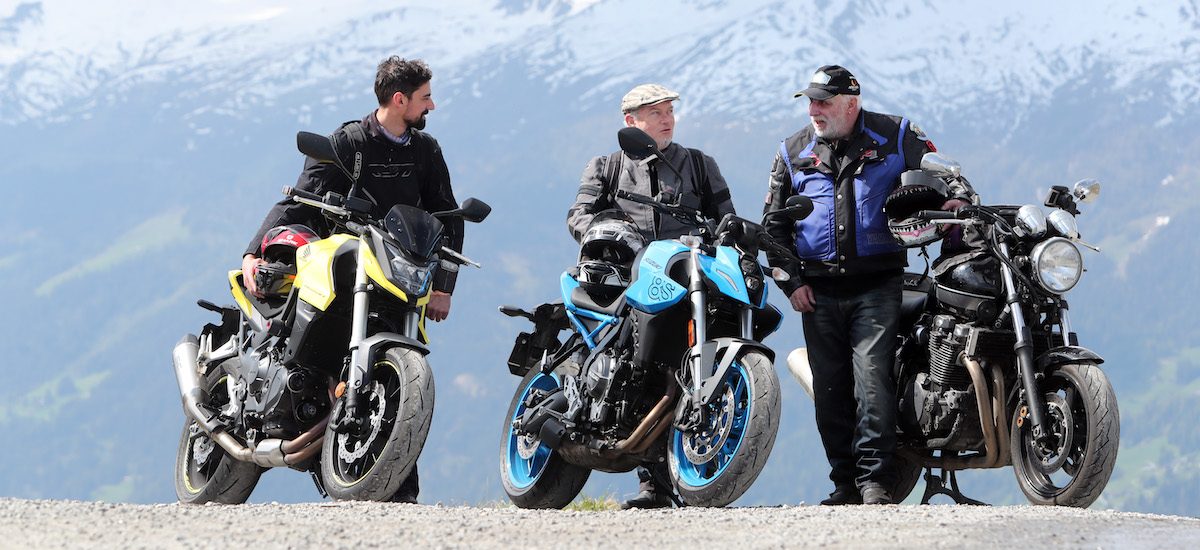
{"x":327,"y":373}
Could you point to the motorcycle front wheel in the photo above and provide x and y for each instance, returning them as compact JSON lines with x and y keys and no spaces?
{"x":716,"y":463}
{"x":371,"y":464}
{"x":204,"y":472}
{"x":1073,"y":466}
{"x":533,"y":474}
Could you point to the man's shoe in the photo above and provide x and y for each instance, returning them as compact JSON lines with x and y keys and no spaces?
{"x":875,"y":493}
{"x":843,"y":494}
{"x":647,"y":500}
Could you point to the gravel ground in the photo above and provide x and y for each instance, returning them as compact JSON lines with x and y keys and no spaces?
{"x":73,"y":524}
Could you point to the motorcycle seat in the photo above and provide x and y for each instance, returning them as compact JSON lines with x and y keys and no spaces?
{"x":581,"y":298}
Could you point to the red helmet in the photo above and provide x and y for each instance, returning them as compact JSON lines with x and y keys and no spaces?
{"x":280,"y":243}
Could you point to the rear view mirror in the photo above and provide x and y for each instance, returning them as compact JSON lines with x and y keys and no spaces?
{"x":475,"y":210}
{"x":798,"y":207}
{"x":1086,"y":190}
{"x":317,"y":146}
{"x":638,"y":145}
{"x":940,"y":166}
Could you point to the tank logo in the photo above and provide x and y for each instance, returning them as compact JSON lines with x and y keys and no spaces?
{"x":661,"y":289}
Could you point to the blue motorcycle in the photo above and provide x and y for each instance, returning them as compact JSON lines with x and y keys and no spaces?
{"x":668,"y":367}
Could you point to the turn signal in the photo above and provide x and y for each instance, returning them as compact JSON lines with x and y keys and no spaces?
{"x":691,"y":332}
{"x":340,"y":390}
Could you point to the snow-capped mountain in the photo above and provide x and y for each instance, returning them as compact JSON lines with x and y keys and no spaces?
{"x":143,"y":141}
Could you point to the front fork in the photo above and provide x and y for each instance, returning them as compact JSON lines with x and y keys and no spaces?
{"x":1024,"y":350}
{"x":359,"y":374}
{"x":699,"y":324}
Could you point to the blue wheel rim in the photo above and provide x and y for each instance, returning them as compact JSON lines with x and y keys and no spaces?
{"x":523,"y":472}
{"x":702,"y":474}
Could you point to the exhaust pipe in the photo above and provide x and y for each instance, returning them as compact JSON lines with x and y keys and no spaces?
{"x":270,"y":453}
{"x":797,"y":362}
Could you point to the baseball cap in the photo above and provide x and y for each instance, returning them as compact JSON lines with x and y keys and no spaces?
{"x":646,"y":94}
{"x":829,"y":81}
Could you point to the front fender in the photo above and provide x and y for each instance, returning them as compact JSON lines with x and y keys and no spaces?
{"x":1065,"y":355}
{"x":373,"y":345}
{"x":727,"y":349}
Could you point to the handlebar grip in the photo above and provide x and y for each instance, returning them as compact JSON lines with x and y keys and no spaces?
{"x":937,"y":215}
{"x":293,"y":192}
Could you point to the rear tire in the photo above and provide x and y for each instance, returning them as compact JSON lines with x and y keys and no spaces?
{"x":731,"y":457}
{"x":534,"y":475}
{"x":204,"y":472}
{"x":1075,"y":467}
{"x":372,"y":465}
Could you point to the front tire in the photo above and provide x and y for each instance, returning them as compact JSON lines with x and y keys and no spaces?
{"x":373,"y":464}
{"x":717,"y":465}
{"x":533,"y":474}
{"x":204,"y":472}
{"x":1074,"y":467}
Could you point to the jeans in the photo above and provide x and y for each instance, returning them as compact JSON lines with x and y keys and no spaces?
{"x":851,"y":338}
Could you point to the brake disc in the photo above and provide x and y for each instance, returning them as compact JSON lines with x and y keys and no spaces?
{"x":1050,"y":458}
{"x":202,"y":445}
{"x":379,"y":404}
{"x":701,"y":445}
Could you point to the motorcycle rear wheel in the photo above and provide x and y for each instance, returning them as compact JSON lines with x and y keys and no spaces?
{"x":204,"y":472}
{"x":534,"y":475}
{"x":372,"y":465}
{"x":732,"y":452}
{"x":1083,"y":417}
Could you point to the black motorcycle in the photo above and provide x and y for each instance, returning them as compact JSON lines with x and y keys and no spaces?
{"x":989,"y":370}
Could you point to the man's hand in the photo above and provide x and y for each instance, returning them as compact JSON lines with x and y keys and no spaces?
{"x":250,"y":265}
{"x":953,"y":205}
{"x":439,"y":306}
{"x":802,"y":299}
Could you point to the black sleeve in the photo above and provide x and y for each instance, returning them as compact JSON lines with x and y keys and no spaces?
{"x":318,"y":178}
{"x":781,"y":228}
{"x":438,"y":196}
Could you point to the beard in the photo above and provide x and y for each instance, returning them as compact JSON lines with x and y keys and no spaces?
{"x":419,"y":123}
{"x":834,"y":129}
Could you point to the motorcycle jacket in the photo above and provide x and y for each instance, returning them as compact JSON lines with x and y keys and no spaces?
{"x":703,"y":189}
{"x":848,"y":181}
{"x":413,"y":173}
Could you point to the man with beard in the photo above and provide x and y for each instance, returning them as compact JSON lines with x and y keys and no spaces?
{"x":650,"y":108}
{"x":848,"y":287}
{"x":396,"y":163}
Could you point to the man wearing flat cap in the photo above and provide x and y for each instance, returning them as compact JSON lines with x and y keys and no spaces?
{"x":848,"y":288}
{"x":650,"y":107}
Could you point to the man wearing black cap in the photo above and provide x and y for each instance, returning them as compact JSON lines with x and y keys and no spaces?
{"x":849,"y":285}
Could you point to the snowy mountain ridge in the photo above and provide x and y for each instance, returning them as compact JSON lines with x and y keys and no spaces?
{"x":738,"y":58}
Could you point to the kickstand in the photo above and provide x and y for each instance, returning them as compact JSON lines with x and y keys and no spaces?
{"x":936,"y":485}
{"x":663,"y":483}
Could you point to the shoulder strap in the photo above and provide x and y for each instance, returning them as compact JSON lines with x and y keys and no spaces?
{"x":358,"y":137}
{"x":612,"y":175}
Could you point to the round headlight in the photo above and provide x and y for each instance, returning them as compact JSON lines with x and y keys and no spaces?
{"x":1031,"y":222}
{"x":1064,"y":223}
{"x":1057,"y":264}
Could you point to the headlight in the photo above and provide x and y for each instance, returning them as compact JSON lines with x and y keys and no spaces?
{"x":1064,"y":223}
{"x":1031,"y":222}
{"x":1057,"y":264}
{"x":413,"y":279}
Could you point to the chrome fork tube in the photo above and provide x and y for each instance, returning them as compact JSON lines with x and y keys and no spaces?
{"x":358,"y":328}
{"x":1064,"y":322}
{"x":699,"y":319}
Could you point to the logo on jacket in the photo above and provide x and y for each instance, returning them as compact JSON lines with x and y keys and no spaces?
{"x":869,"y":154}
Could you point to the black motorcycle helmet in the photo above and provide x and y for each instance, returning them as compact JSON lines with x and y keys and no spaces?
{"x":918,"y":191}
{"x":607,"y":250}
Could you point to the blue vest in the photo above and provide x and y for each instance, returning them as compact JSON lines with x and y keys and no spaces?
{"x":816,"y":235}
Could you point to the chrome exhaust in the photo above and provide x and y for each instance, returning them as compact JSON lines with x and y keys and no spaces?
{"x":270,"y":453}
